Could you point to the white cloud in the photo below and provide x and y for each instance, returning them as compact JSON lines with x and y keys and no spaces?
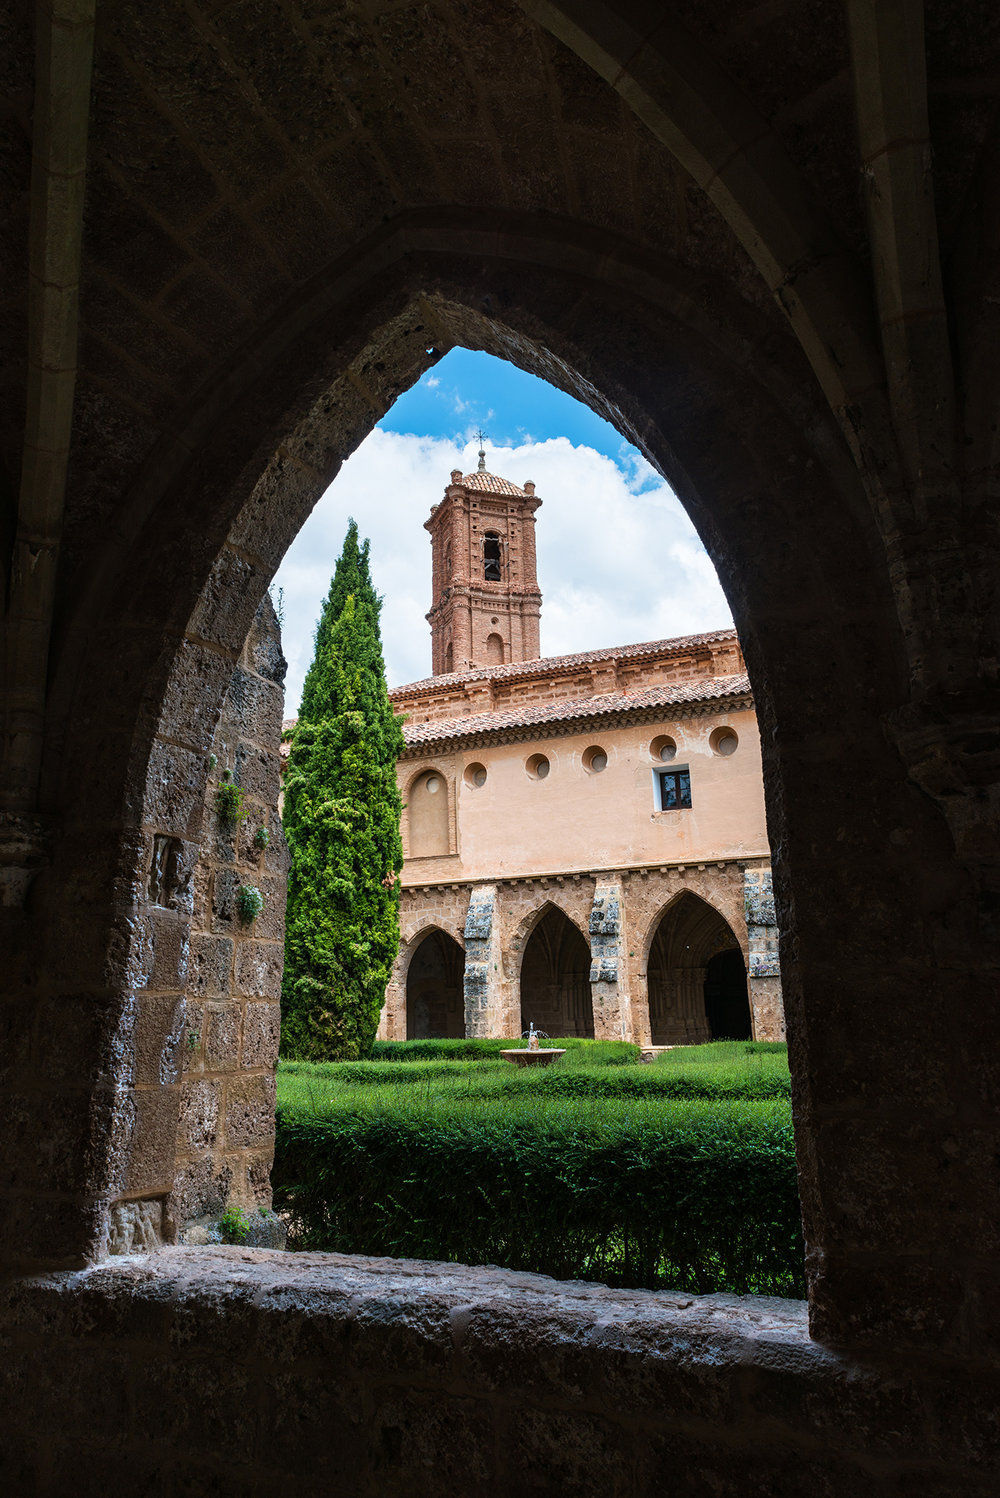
{"x":618,"y":559}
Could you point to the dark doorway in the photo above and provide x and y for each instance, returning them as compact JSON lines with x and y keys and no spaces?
{"x":435,"y":1002}
{"x":555,"y":979}
{"x":696,"y":979}
{"x":726,"y":1006}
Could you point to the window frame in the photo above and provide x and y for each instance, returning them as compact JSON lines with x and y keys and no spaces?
{"x":660,"y":774}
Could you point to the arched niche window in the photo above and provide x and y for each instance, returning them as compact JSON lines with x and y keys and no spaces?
{"x":494,"y":650}
{"x":449,"y":657}
{"x":491,"y":557}
{"x":427,"y":808}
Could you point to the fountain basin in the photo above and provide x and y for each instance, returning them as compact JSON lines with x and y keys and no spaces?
{"x":533,"y":1058}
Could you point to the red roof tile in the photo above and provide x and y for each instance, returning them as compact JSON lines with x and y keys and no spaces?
{"x":548,"y":663}
{"x":608,"y":704}
{"x":491,"y":484}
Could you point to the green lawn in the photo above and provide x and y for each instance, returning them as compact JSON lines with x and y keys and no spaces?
{"x":678,"y":1174}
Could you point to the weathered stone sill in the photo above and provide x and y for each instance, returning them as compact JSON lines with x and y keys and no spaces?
{"x":233,"y":1371}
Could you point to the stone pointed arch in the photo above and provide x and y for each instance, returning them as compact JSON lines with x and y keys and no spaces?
{"x":526,"y":926}
{"x":683,"y":95}
{"x":654,"y":922}
{"x":410,"y":936}
{"x":723,"y":408}
{"x":683,"y":942}
{"x":554,"y":975}
{"x":433,"y":985}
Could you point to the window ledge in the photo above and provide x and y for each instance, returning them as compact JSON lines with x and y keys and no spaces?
{"x":423,"y":1378}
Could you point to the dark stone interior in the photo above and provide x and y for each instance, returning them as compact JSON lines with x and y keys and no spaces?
{"x":762,"y":241}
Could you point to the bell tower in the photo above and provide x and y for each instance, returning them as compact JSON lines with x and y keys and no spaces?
{"x":486,"y":601}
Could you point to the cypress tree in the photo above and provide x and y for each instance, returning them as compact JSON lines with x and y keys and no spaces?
{"x":341,"y":817}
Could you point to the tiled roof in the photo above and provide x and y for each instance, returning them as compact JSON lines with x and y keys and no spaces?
{"x":491,"y":484}
{"x":608,"y":704}
{"x":548,"y":663}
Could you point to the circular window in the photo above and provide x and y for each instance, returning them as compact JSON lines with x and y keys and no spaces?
{"x":724,"y":741}
{"x":433,"y":785}
{"x":663,"y":748}
{"x":475,"y":775}
{"x":537,"y":767}
{"x":595,"y":759}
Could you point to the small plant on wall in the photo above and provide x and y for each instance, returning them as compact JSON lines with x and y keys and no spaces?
{"x":229,"y":801}
{"x":234,"y":1225}
{"x":261,"y":839}
{"x":249,"y":904}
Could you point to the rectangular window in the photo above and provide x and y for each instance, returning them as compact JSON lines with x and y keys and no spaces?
{"x":675,"y":788}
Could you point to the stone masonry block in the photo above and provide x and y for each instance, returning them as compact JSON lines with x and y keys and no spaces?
{"x":258,"y":969}
{"x":169,"y":930}
{"x":261,"y":1034}
{"x":254,"y":707}
{"x":249,"y":1111}
{"x":199,"y":1113}
{"x":270,"y":924}
{"x":154,"y":1140}
{"x":210,"y":966}
{"x":222,"y":1041}
{"x":159,"y":1034}
{"x":225,"y":887}
{"x":175,"y":783}
{"x":258,"y":771}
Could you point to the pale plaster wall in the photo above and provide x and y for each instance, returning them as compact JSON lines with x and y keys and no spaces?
{"x":576,"y":821}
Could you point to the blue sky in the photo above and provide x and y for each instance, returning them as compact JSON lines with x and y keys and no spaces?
{"x":469,"y":390}
{"x":618,"y":559}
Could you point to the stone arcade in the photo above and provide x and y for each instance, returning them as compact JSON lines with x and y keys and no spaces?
{"x":762,"y":240}
{"x":584,"y":834}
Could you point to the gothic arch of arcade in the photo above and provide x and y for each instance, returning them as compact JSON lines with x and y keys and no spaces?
{"x":686,"y":949}
{"x":554,"y":975}
{"x":761,"y":242}
{"x":435,"y":1004}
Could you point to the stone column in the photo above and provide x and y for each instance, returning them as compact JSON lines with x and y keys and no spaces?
{"x":766,"y":1008}
{"x":608,"y":981}
{"x":485,"y":1012}
{"x":392,"y":1020}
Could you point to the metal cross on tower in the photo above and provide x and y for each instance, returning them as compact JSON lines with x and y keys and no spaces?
{"x":481,"y":438}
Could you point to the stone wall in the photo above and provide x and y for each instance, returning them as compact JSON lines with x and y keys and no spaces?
{"x":617,"y":913}
{"x":229,"y":1039}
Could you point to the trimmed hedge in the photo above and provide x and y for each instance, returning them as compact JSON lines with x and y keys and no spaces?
{"x":311,"y":1085}
{"x":691,"y":1196}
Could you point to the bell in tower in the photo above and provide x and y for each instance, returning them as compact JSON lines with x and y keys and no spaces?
{"x":486,"y":601}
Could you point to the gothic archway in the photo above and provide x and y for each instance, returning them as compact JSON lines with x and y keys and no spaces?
{"x":555,"y":978}
{"x":435,"y":1008}
{"x":696,"y":979}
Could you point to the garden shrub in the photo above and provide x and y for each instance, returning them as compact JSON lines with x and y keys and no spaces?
{"x":644,"y":1191}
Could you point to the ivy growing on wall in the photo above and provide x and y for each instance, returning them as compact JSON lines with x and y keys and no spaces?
{"x":341,"y":818}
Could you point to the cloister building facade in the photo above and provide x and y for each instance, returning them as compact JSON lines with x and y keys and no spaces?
{"x":584,"y":836}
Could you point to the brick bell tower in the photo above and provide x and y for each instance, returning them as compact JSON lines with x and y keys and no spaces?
{"x":486,"y":600}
